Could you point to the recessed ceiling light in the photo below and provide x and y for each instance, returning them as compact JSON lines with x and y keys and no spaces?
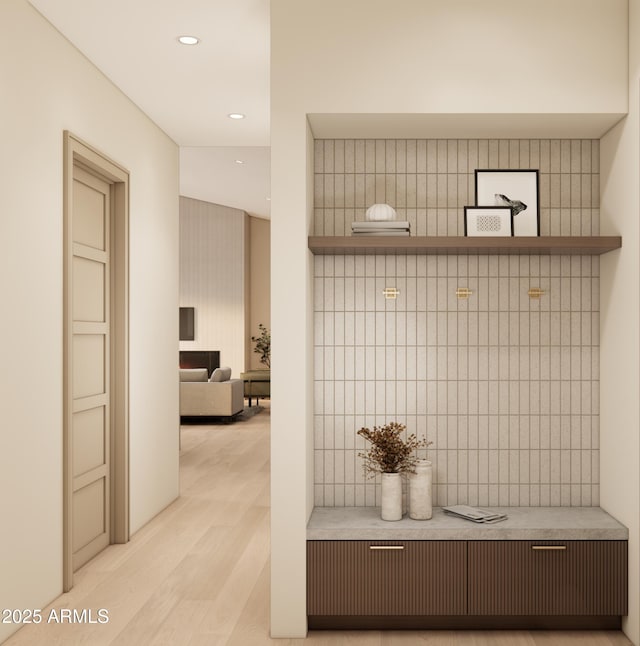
{"x":268,"y":199}
{"x":188,"y":40}
{"x":239,"y":161}
{"x":236,"y":115}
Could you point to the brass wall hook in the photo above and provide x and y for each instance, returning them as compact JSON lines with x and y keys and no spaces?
{"x":535,"y":292}
{"x":391,"y":292}
{"x":463,"y":292}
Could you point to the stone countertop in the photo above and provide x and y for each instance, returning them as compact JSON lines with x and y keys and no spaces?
{"x":523,"y":523}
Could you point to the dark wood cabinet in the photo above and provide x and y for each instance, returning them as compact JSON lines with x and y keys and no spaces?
{"x":547,"y":577}
{"x":466,"y":584}
{"x":386,"y":577}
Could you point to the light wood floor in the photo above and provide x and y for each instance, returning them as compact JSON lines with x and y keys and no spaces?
{"x":198,"y":573}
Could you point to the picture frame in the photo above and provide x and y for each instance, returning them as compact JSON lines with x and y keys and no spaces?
{"x":518,"y":189}
{"x":494,"y":221}
{"x":187,"y":323}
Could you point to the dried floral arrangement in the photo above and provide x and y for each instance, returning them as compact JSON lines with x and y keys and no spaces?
{"x":389,"y":453}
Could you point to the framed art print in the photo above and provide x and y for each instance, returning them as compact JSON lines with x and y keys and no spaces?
{"x":488,"y":221}
{"x":516,"y":189}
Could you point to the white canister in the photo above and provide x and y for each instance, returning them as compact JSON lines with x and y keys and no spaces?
{"x":391,"y":496}
{"x":420,"y":494}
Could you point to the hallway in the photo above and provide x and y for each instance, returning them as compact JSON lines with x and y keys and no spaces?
{"x":198,"y":573}
{"x":190,"y":576}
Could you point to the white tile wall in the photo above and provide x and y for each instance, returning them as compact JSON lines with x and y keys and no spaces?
{"x":505,"y":386}
{"x":429,"y":181}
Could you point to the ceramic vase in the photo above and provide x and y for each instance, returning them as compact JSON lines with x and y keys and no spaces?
{"x":420,"y":495}
{"x":391,"y":496}
{"x":380,"y":212}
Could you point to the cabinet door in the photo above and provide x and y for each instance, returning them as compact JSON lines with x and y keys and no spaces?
{"x":386,"y":577}
{"x":547,"y":577}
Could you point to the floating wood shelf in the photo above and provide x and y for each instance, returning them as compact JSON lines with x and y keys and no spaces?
{"x":565,"y":245}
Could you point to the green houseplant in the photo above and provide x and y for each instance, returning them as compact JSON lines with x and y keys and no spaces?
{"x":263,"y":345}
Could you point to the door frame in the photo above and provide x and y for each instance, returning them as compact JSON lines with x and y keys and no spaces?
{"x":77,"y":152}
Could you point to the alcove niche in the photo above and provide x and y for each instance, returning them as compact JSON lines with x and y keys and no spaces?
{"x":506,"y":387}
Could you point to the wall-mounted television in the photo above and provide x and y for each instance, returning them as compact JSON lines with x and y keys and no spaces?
{"x":187,"y":323}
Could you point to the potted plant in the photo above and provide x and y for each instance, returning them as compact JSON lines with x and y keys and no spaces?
{"x":391,"y":456}
{"x":263,"y":345}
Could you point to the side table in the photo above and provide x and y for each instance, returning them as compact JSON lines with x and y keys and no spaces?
{"x":257,"y":383}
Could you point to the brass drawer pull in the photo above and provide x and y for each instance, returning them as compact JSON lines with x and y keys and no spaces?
{"x":386,"y":547}
{"x":549,"y":548}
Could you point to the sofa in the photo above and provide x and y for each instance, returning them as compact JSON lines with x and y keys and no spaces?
{"x":217,"y":396}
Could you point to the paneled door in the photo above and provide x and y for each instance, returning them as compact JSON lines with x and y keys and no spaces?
{"x":90,"y":365}
{"x":96,"y":355}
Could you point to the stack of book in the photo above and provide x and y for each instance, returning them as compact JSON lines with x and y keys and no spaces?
{"x":381,"y":228}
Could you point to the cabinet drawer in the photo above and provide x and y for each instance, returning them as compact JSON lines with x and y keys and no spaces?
{"x":386,"y":577}
{"x":547,"y":577}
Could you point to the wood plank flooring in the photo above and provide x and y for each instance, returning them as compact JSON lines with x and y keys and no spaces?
{"x":198,"y":573}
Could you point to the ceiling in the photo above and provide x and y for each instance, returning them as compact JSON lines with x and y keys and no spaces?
{"x":188,"y":90}
{"x":213,"y":175}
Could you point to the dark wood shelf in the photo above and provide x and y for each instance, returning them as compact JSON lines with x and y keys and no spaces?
{"x":565,"y":245}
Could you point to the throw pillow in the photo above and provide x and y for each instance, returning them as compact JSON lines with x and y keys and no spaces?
{"x":193,"y":374}
{"x":217,"y":375}
{"x":221,"y":374}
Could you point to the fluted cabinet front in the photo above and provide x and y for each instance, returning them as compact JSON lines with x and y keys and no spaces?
{"x":386,"y":578}
{"x":547,"y":577}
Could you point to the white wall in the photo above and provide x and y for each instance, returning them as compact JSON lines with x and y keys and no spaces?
{"x":291,"y":410}
{"x":404,"y":57}
{"x":213,"y":279}
{"x":48,"y":86}
{"x":451,"y":56}
{"x":620,"y":325}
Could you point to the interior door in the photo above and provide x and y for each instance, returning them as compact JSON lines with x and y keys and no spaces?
{"x":90,"y":365}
